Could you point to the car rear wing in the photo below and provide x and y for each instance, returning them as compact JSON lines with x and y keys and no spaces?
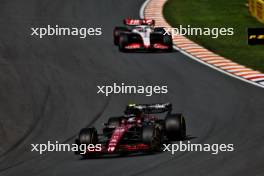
{"x":134,"y":22}
{"x":148,"y":108}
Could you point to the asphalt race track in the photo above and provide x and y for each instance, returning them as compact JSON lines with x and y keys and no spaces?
{"x":48,"y":92}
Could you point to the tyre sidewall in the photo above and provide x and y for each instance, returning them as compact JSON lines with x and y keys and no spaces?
{"x":175,"y":127}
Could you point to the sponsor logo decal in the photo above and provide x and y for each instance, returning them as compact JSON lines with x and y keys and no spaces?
{"x":256,"y":36}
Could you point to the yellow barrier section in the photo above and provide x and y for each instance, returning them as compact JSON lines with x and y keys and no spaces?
{"x":256,"y":9}
{"x":260,"y":10}
{"x":252,"y":7}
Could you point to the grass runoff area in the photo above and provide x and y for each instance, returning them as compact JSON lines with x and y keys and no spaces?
{"x":219,"y":13}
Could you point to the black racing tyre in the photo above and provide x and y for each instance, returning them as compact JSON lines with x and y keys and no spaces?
{"x":114,"y":122}
{"x":155,"y":37}
{"x":158,"y":37}
{"x":152,"y":136}
{"x":175,"y":127}
{"x":160,"y":124}
{"x":167,"y":40}
{"x":123,"y":40}
{"x":88,"y":136}
{"x":116,"y":33}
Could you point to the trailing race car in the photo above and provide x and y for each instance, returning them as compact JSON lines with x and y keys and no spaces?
{"x":141,"y":35}
{"x":138,"y":130}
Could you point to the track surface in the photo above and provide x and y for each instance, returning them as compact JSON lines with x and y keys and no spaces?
{"x":48,"y":92}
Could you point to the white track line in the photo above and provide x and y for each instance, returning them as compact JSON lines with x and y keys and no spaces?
{"x":142,"y":15}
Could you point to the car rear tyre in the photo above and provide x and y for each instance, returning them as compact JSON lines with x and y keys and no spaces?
{"x":152,"y":136}
{"x":167,"y":40}
{"x":175,"y":127}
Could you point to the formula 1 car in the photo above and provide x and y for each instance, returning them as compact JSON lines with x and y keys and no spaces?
{"x":140,"y":34}
{"x":138,"y":130}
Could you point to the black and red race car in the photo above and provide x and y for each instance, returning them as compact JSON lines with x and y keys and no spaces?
{"x":140,"y":129}
{"x":140,"y":34}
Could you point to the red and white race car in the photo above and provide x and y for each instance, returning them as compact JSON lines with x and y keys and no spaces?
{"x":140,"y":129}
{"x":140,"y":34}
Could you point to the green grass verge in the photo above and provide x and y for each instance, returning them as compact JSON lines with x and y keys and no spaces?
{"x":219,"y":13}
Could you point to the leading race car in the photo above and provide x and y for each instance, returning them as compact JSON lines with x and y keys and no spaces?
{"x":140,"y":34}
{"x":140,"y":129}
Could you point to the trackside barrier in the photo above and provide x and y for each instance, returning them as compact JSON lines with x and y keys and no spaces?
{"x":256,"y":9}
{"x":252,"y":7}
{"x":260,"y":10}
